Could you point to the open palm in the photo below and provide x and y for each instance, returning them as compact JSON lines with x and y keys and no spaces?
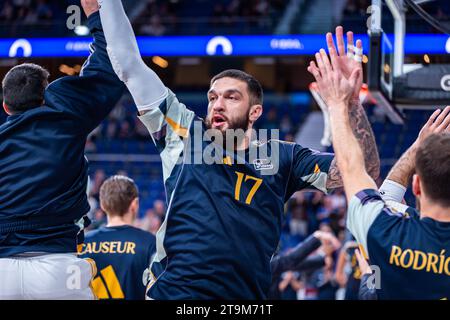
{"x":346,"y":61}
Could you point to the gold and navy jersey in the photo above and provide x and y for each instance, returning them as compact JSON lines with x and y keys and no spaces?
{"x":224,"y":218}
{"x":412,"y":253}
{"x":121,"y":255}
{"x":354,"y":277}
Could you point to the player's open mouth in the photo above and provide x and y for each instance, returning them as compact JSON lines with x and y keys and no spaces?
{"x":218,"y":120}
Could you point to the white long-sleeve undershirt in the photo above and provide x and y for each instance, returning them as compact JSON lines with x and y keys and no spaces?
{"x":147,"y":89}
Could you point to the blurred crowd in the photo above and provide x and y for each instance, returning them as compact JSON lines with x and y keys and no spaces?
{"x":33,"y":17}
{"x":199,"y":17}
{"x":225,"y":16}
{"x":150,"y":221}
{"x":27,"y":11}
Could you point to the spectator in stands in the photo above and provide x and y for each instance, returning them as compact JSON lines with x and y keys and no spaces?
{"x":151,"y":222}
{"x":285,"y":267}
{"x":288,"y":287}
{"x":98,"y":220}
{"x":271,"y":120}
{"x":286,"y":124}
{"x":298,"y":223}
{"x":99,"y":177}
{"x":160,"y":208}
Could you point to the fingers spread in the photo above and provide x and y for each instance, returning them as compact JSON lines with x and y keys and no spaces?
{"x":444,"y":119}
{"x":441,"y":117}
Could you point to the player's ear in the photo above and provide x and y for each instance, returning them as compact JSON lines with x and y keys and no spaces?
{"x":255,"y":112}
{"x":416,"y":187}
{"x":135,"y":206}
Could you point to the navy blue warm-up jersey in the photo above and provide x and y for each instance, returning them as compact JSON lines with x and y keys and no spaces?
{"x":412,"y":253}
{"x":43,"y":170}
{"x":224,"y":219}
{"x":121,"y":255}
{"x":354,"y":276}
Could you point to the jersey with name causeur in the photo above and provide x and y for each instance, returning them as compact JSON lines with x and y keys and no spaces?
{"x":223,"y":220}
{"x":121,"y":254}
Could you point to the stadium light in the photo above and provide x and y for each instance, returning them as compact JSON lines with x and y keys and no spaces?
{"x":163,"y":63}
{"x":81,"y":31}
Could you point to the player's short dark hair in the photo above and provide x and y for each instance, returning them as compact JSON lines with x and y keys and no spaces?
{"x":24,"y":87}
{"x":255,"y":90}
{"x":116,"y":195}
{"x":433,"y":167}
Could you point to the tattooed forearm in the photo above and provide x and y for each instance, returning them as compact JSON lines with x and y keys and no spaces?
{"x":403,"y":169}
{"x":334,"y":179}
{"x":364,"y":134}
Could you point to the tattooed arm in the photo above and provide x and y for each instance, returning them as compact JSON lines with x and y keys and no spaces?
{"x":398,"y":179}
{"x":403,"y":170}
{"x":366,"y":139}
{"x":347,"y":62}
{"x":350,"y":144}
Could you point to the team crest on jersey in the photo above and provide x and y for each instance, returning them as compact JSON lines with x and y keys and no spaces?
{"x":263,"y":164}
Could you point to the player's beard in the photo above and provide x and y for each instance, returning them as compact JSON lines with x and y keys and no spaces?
{"x":235,"y":124}
{"x":241,"y":123}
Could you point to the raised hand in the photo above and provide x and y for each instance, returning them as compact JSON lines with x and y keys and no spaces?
{"x":346,"y":60}
{"x":334,"y":87}
{"x":350,"y":59}
{"x":328,"y":240}
{"x":438,"y":122}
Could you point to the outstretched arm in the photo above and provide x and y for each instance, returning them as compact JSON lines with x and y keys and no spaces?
{"x":363,"y":132}
{"x":166,"y":119}
{"x":297,"y":256}
{"x":337,"y":91}
{"x":346,"y":62}
{"x":90,"y":96}
{"x":397,"y":181}
{"x":147,"y":89}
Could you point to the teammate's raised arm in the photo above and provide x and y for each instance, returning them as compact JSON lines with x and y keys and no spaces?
{"x":398,"y":179}
{"x":348,"y":61}
{"x":337,"y":91}
{"x":147,"y":89}
{"x":94,"y":93}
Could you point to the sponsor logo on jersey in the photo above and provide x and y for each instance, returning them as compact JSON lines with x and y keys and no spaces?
{"x":263,"y":164}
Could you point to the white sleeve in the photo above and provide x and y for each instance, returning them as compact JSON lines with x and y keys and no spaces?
{"x":392,"y":191}
{"x":363,"y":209}
{"x":147,"y":89}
